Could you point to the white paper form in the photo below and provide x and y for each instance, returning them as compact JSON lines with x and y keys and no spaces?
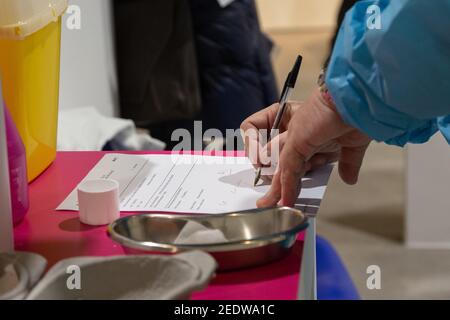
{"x":191,"y":184}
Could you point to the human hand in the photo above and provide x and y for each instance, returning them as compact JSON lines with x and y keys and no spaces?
{"x":260,"y":154}
{"x":259,"y":124}
{"x":316,"y":134}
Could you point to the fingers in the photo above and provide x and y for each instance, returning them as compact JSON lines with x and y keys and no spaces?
{"x":315,"y":129}
{"x":312,"y":128}
{"x":286,"y":183}
{"x":251,"y":131}
{"x":270,"y":153}
{"x":321,"y":159}
{"x":317,"y":161}
{"x":255,"y":130}
{"x":262,"y":119}
{"x":274,"y":146}
{"x":292,"y":169}
{"x":350,"y":162}
{"x":253,"y":148}
{"x":272,"y":197}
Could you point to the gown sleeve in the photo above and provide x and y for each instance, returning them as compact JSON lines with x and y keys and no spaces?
{"x":393,"y":83}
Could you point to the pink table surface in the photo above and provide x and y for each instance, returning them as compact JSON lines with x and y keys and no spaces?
{"x":58,"y":235}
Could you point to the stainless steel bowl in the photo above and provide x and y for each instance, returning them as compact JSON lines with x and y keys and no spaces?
{"x":253,"y":237}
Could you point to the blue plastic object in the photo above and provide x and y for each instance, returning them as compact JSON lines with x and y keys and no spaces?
{"x":333,"y":279}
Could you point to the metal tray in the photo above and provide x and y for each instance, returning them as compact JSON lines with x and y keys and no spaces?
{"x":251,"y":238}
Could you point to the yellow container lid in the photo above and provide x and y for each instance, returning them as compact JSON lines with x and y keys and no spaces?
{"x":21,"y":18}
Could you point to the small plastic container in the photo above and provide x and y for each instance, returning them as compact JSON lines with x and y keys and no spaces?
{"x":30,"y":40}
{"x":17,"y":171}
{"x":98,"y":201}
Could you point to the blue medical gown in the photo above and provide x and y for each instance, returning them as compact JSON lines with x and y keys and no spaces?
{"x":393,"y":83}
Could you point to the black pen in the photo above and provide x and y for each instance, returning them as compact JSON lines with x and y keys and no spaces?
{"x":288,"y":87}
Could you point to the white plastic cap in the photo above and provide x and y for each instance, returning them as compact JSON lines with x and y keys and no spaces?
{"x":98,"y":202}
{"x":21,"y":18}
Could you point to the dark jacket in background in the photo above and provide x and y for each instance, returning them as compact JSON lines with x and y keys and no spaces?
{"x":156,"y":61}
{"x":161,"y":51}
{"x":234,"y":62}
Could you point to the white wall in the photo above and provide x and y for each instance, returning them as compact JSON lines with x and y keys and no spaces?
{"x":428,"y":194}
{"x":294,"y":14}
{"x":88,"y":75}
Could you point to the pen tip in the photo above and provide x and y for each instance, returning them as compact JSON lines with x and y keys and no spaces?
{"x":257,"y":177}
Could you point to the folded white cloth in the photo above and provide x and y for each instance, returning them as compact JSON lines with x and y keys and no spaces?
{"x":196,"y":233}
{"x":85,"y":129}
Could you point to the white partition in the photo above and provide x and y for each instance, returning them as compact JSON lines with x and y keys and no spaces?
{"x":428,"y":194}
{"x":88,"y":76}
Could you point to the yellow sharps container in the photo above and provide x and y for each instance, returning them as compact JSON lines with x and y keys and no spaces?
{"x":30,"y":38}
